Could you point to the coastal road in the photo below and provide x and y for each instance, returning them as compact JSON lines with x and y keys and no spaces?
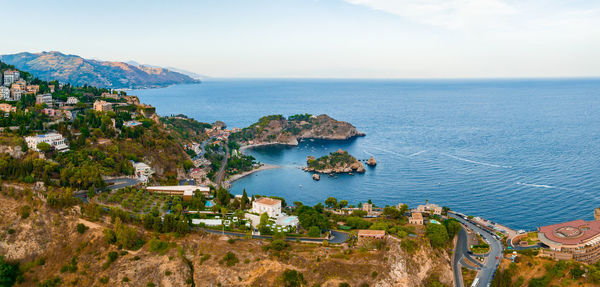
{"x":459,"y":252}
{"x":488,"y":270}
{"x":121,"y":182}
{"x":338,"y":237}
{"x":221,"y":172}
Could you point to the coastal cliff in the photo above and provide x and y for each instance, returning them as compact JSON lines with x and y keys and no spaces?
{"x":336,"y":162}
{"x":276,"y":129}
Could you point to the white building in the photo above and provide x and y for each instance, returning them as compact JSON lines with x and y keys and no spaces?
{"x":44,"y":99}
{"x":10,"y":76}
{"x":5,"y":93}
{"x":54,"y":139}
{"x":269,"y":205}
{"x":143,"y":171}
{"x":72,"y":101}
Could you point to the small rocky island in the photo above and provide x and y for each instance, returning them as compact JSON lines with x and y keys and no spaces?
{"x":336,"y":162}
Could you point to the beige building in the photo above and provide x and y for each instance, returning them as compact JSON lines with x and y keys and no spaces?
{"x":44,"y":99}
{"x":416,"y":218}
{"x":430,"y":208}
{"x":7,"y":108}
{"x":102,"y":106}
{"x":368,"y":207}
{"x":578,"y":240}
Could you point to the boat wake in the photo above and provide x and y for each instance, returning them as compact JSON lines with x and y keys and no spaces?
{"x":390,"y":152}
{"x":367,"y":153}
{"x":417,"y":153}
{"x":475,"y":162}
{"x":536,"y":185}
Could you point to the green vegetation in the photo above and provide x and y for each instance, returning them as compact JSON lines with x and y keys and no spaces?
{"x":81,"y":228}
{"x":8,"y":272}
{"x":230,"y":259}
{"x":292,"y":278}
{"x":437,"y":234}
{"x":330,"y":161}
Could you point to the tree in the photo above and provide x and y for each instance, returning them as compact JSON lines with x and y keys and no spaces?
{"x":292,"y":278}
{"x":453,"y":227}
{"x":244,"y":199}
{"x":331,"y":202}
{"x":44,"y":147}
{"x":343,"y":203}
{"x":314,"y":231}
{"x":437,"y":234}
{"x":392,"y":212}
{"x":309,"y":216}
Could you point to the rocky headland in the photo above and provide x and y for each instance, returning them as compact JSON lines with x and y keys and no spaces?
{"x":336,"y":162}
{"x":276,"y":129}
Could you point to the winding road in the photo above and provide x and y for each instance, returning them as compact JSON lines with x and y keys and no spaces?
{"x":221,"y":173}
{"x":488,"y":269}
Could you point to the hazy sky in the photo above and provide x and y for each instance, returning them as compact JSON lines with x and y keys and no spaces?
{"x":320,"y":38}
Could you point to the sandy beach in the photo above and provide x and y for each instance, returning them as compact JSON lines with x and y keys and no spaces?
{"x":238,"y":176}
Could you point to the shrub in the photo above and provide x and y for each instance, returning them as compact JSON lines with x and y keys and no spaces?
{"x":156,"y":245}
{"x":278,"y":245}
{"x":409,"y":246}
{"x":103,"y":280}
{"x":231,"y":240}
{"x":81,"y":228}
{"x":25,"y":211}
{"x":11,"y":231}
{"x":230,"y":259}
{"x":52,"y":282}
{"x":70,"y":267}
{"x":292,"y":278}
{"x":125,"y":279}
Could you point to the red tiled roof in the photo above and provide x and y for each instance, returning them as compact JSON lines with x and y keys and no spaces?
{"x":268,"y":201}
{"x":573,"y":232}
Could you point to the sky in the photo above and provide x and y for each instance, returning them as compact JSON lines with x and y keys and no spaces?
{"x":320,"y":38}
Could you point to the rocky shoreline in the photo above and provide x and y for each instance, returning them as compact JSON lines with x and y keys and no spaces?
{"x":336,"y":162}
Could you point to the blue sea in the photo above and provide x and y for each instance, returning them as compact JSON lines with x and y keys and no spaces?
{"x":524,"y":153}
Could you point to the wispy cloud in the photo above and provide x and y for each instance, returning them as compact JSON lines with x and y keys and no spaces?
{"x":450,"y":14}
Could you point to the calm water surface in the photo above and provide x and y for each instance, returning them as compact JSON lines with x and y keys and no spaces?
{"x":521,"y":152}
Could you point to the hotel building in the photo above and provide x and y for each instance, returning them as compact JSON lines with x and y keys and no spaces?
{"x":578,"y":240}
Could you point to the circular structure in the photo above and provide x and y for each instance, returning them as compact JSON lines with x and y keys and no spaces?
{"x":568,"y":232}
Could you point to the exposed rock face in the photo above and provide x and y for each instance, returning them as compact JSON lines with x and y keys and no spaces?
{"x":316,"y":177}
{"x":14,"y":151}
{"x":413,"y":269}
{"x":371,"y":162}
{"x":277,"y":129}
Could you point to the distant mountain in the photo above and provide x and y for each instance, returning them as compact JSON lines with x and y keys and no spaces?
{"x":187,"y":73}
{"x":76,"y":70}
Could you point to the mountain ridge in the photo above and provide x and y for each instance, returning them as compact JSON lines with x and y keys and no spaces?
{"x":76,"y":70}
